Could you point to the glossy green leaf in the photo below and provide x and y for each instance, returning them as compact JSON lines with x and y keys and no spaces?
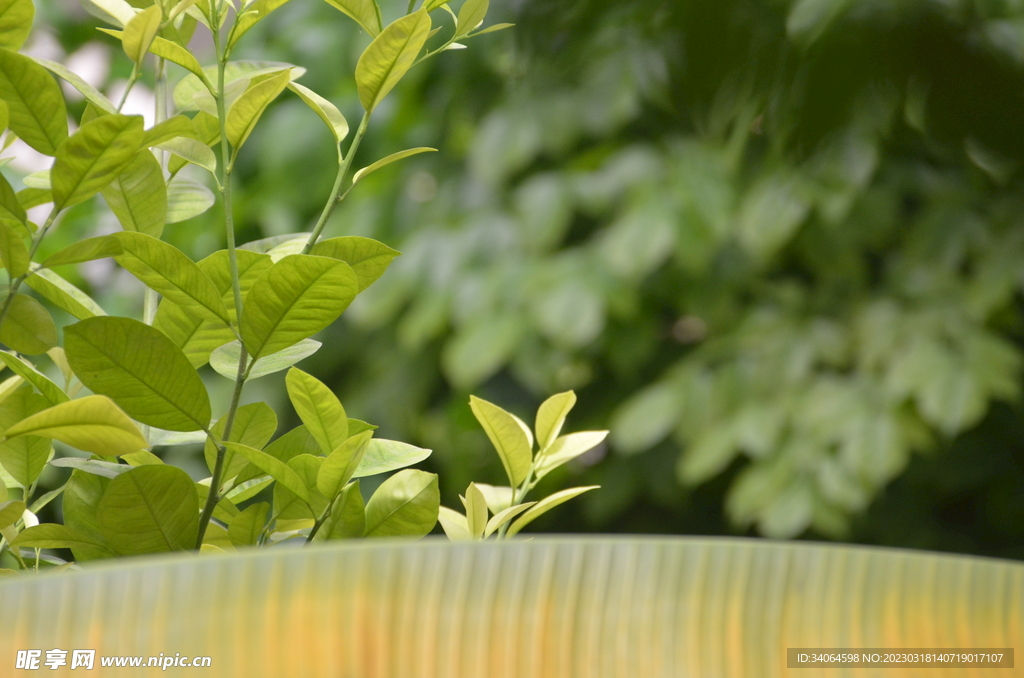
{"x":405,"y":505}
{"x":254,"y":13}
{"x":273,"y":467}
{"x":139,"y":367}
{"x":23,"y":458}
{"x":566,"y":448}
{"x":10,"y":512}
{"x":63,"y":294}
{"x":139,"y":33}
{"x":347,"y":519}
{"x":34,"y":101}
{"x":394,"y":157}
{"x":340,"y":465}
{"x":363,"y":12}
{"x":165,"y":49}
{"x":172,"y":128}
{"x":476,"y":511}
{"x":296,"y":298}
{"x":91,"y":424}
{"x":246,"y":111}
{"x":390,"y":56}
{"x":13,"y":251}
{"x":551,"y":416}
{"x":93,"y":95}
{"x":545,"y":505}
{"x":224,"y":360}
{"x":507,"y":436}
{"x":471,"y":15}
{"x":384,"y":456}
{"x":327,"y":111}
{"x":138,"y":195}
{"x":167,"y":270}
{"x":504,"y":516}
{"x":85,"y":250}
{"x":319,"y":409}
{"x":196,"y":152}
{"x":150,"y":509}
{"x":93,"y":156}
{"x":28,"y":327}
{"x":15,"y":22}
{"x":186,"y":199}
{"x":53,"y":394}
{"x":254,"y":426}
{"x":246,"y":527}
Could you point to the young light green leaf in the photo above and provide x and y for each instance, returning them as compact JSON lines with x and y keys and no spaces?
{"x":498,"y":498}
{"x":254,"y":13}
{"x":139,"y":33}
{"x":296,"y":298}
{"x":384,"y":456}
{"x":34,"y":102}
{"x":254,"y":426}
{"x":54,"y":536}
{"x":166,"y":269}
{"x":177,"y":126}
{"x":196,"y":152}
{"x":189,"y":86}
{"x":293,"y":443}
{"x":224,"y":360}
{"x":496,"y":522}
{"x":341,"y":464}
{"x":15,"y":23}
{"x":246,"y":527}
{"x":290,"y":506}
{"x":364,"y":12}
{"x":273,"y":467}
{"x":23,"y":458}
{"x":50,"y":390}
{"x":246,"y":112}
{"x":139,"y":367}
{"x":138,"y":195}
{"x":91,"y":94}
{"x":348,"y":516}
{"x":165,"y":49}
{"x":405,"y":505}
{"x":40,"y":179}
{"x":11,"y":208}
{"x":91,"y":424}
{"x":431,"y":5}
{"x":319,"y":409}
{"x":551,"y":416}
{"x":367,"y":257}
{"x":93,"y":156}
{"x":507,"y":436}
{"x":13,"y":252}
{"x":150,"y":509}
{"x":369,"y":169}
{"x":114,"y":12}
{"x":493,"y":29}
{"x":248,"y":489}
{"x":95,"y":467}
{"x":545,"y":505}
{"x":10,"y":512}
{"x":389,"y":57}
{"x":28,"y":327}
{"x":454,"y":524}
{"x":471,"y":15}
{"x":476,"y":511}
{"x":141,"y":458}
{"x":85,"y":250}
{"x":187,"y":199}
{"x":566,"y":448}
{"x":32,"y":197}
{"x":63,"y":294}
{"x":327,"y":111}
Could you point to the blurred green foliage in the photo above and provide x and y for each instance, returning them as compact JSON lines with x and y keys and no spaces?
{"x":775,"y":246}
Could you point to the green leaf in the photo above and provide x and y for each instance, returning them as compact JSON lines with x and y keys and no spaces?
{"x":246,"y":112}
{"x":224,"y":511}
{"x":10,"y":512}
{"x":81,"y":496}
{"x":54,"y":536}
{"x":471,"y":15}
{"x":246,"y":527}
{"x":293,"y":443}
{"x":23,"y":458}
{"x":566,"y":448}
{"x":115,"y":12}
{"x":273,"y":467}
{"x":388,"y":160}
{"x":93,"y":95}
{"x":347,"y":519}
{"x":319,"y":409}
{"x":248,"y":489}
{"x":141,"y":457}
{"x":454,"y":524}
{"x":384,"y":456}
{"x":476,"y":511}
{"x":138,"y":195}
{"x":11,"y":208}
{"x":493,"y":29}
{"x":288,"y":506}
{"x":167,"y":270}
{"x":85,"y":250}
{"x":172,"y":128}
{"x":150,"y":509}
{"x":255,"y":12}
{"x":96,"y":467}
{"x":139,"y":33}
{"x":405,"y":505}
{"x":299,"y":296}
{"x":13,"y":252}
{"x":90,"y":159}
{"x":32,"y":197}
{"x":495,"y":523}
{"x":340,"y":465}
{"x":545,"y":505}
{"x":63,"y":294}
{"x":186,"y":90}
{"x":507,"y":436}
{"x":165,"y":49}
{"x":139,"y":367}
{"x":364,"y":12}
{"x":91,"y":424}
{"x":15,"y":22}
{"x":34,"y":102}
{"x":187,"y":199}
{"x":551,"y":416}
{"x":224,"y":360}
{"x":254,"y":426}
{"x":327,"y":111}
{"x":389,"y":57}
{"x":50,"y":390}
{"x":196,"y":152}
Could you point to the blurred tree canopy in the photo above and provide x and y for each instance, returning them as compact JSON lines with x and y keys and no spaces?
{"x":776,"y":246}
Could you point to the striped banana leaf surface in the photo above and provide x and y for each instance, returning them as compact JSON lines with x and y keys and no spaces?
{"x":548,"y":607}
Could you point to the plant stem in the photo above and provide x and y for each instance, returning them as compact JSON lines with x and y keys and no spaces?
{"x":136,"y":74}
{"x":518,"y":498}
{"x":336,"y":195}
{"x":320,"y":522}
{"x":412,"y":4}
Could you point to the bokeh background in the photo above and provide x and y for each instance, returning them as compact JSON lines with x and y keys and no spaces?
{"x":776,"y":246}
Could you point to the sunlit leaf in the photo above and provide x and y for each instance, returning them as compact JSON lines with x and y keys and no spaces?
{"x":364,"y":12}
{"x":93,"y":156}
{"x":273,"y":467}
{"x":91,"y":424}
{"x":13,"y":251}
{"x":348,"y":516}
{"x":327,"y":111}
{"x":63,"y":294}
{"x":186,"y":199}
{"x":566,"y":448}
{"x":405,"y":505}
{"x":224,"y":360}
{"x":28,"y":327}
{"x":50,"y":390}
{"x":454,"y":524}
{"x":255,"y":12}
{"x":384,"y":456}
{"x":34,"y":101}
{"x":471,"y":15}
{"x":138,"y":195}
{"x":150,"y":509}
{"x":389,"y":57}
{"x":93,"y":95}
{"x":319,"y":409}
{"x":15,"y":22}
{"x":476,"y":511}
{"x":388,"y":160}
{"x":246,"y":112}
{"x":504,"y":516}
{"x":340,"y":465}
{"x":139,"y":33}
{"x":165,"y":49}
{"x":85,"y":250}
{"x":254,"y":425}
{"x":545,"y":505}
{"x":551,"y":416}
{"x":196,"y":152}
{"x":115,"y":12}
{"x":173,"y":127}
{"x":507,"y":436}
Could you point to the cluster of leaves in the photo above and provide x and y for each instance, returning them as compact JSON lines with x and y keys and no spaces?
{"x":248,"y":311}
